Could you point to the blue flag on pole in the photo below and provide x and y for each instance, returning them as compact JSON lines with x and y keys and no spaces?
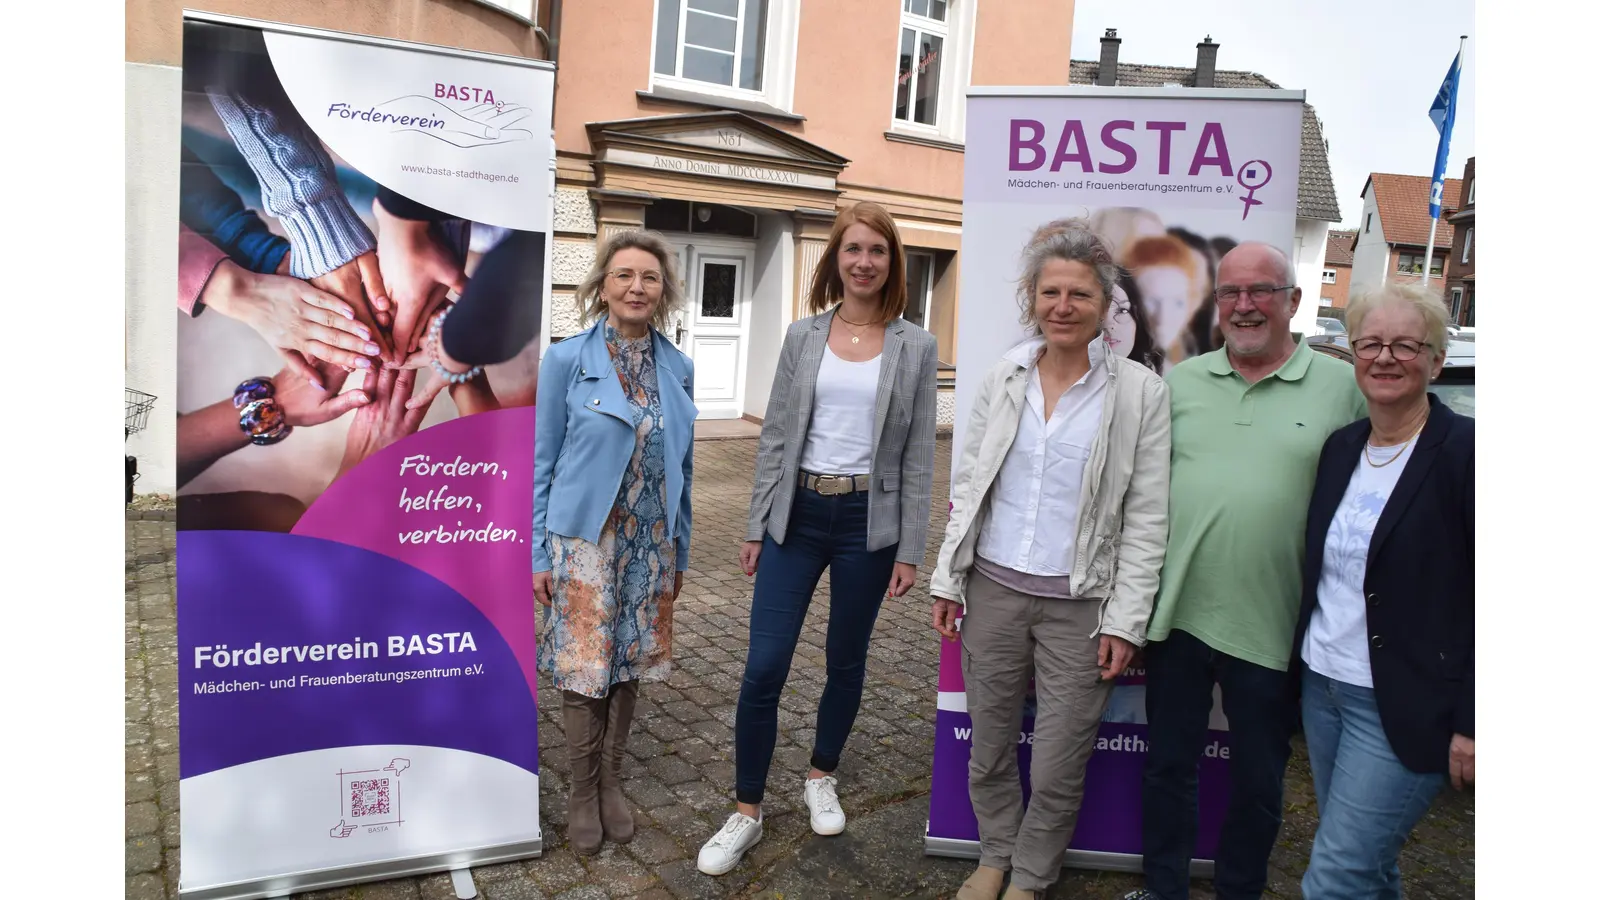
{"x":1443,"y":114}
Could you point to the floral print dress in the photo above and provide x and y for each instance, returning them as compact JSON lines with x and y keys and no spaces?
{"x":610,"y":616}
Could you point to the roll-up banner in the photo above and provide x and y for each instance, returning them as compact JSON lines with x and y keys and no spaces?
{"x":356,"y":631}
{"x":1173,"y":179}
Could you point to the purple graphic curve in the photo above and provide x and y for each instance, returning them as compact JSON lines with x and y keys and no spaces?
{"x":244,"y":588}
{"x":364,"y":509}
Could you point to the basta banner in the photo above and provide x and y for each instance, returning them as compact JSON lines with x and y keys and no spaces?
{"x":1173,"y":179}
{"x":363,"y":249}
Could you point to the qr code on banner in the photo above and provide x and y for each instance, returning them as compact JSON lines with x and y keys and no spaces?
{"x":369,"y":798}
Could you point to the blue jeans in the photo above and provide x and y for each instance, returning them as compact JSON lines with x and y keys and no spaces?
{"x":1367,"y":800}
{"x":824,"y":532}
{"x":1179,"y":674}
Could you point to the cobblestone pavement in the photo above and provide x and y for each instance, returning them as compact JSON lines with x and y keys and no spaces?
{"x":681,"y":775}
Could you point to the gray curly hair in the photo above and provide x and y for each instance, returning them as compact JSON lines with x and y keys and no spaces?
{"x":591,"y":299}
{"x":1072,"y":240}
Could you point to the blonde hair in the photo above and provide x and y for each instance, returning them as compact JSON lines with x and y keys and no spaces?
{"x":591,"y":298}
{"x":826,"y":286}
{"x":1424,"y":302}
{"x":1070,"y":240}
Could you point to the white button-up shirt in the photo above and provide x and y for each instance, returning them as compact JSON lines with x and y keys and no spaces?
{"x":1032,"y":525}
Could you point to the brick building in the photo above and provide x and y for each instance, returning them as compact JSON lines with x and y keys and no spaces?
{"x":1336,"y":262}
{"x":1392,"y":237}
{"x":1463,"y":255}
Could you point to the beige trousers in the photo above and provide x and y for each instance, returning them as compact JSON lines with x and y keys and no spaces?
{"x":1006,"y":637}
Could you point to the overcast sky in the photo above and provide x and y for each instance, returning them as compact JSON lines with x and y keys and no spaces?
{"x":1370,"y":67}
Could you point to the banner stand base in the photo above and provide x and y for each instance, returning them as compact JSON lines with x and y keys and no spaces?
{"x":456,"y":862}
{"x":461,"y":880}
{"x":1075,"y":859}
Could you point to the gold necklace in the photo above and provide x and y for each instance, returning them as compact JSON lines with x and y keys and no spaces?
{"x":1367,"y":449}
{"x":855,"y":337}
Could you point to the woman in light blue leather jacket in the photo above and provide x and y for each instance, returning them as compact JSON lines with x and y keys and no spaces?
{"x":612,"y":464}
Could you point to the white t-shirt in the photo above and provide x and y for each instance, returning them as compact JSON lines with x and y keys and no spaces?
{"x":1336,"y":640}
{"x":1032,"y":526}
{"x":844,"y":410}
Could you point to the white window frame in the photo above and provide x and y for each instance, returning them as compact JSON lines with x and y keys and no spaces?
{"x":1325,"y":302}
{"x":521,"y":10}
{"x":926,"y":300}
{"x":1472,"y":188}
{"x":1330,"y":276}
{"x":1466,"y":246}
{"x":1455,"y":304}
{"x":778,"y":63}
{"x":957,"y":30}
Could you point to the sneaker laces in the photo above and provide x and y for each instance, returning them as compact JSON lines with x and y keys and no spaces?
{"x":732,"y":830}
{"x":827,"y":794}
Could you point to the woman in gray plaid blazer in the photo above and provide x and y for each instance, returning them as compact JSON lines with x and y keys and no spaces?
{"x":844,"y":482}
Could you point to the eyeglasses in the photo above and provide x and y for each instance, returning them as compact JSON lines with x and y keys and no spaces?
{"x":650,"y":280}
{"x":1260,"y":293}
{"x":1403,"y":350}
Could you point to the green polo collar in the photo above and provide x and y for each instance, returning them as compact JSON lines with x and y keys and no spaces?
{"x":1293,"y":369}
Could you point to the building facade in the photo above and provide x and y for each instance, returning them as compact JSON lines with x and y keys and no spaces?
{"x":740,"y":128}
{"x":1336,"y":262}
{"x":1460,"y":287}
{"x":1392,"y":236}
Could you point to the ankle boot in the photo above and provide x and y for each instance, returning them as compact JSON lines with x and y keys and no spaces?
{"x":615,"y":818}
{"x":984,"y":884}
{"x":585,"y":721}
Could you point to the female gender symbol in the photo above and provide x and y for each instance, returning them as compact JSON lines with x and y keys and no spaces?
{"x":1253,"y":176}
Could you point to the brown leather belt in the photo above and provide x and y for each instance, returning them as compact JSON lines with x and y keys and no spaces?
{"x":834,"y":485}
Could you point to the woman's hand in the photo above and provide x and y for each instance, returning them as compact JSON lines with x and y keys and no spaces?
{"x":360,"y":285}
{"x":302,"y":322}
{"x":1460,"y":762}
{"x":1115,"y":653}
{"x":543,"y":584}
{"x":905,"y":575}
{"x":305,"y":403}
{"x":944,"y":618}
{"x":419,"y":268}
{"x":749,"y":556}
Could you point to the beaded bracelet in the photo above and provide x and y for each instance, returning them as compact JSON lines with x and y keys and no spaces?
{"x":260,"y":416}
{"x":433,"y":351}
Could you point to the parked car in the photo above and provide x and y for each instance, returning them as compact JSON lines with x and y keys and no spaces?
{"x":1332,"y":331}
{"x":1456,"y":381}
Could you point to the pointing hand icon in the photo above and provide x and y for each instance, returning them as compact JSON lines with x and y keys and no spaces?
{"x":397,"y":765}
{"x":341,"y":830}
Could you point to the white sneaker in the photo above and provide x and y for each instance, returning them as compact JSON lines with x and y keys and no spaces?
{"x":727,"y":847}
{"x":822,"y":798}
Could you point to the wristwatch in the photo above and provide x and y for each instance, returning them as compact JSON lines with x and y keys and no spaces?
{"x":260,"y":416}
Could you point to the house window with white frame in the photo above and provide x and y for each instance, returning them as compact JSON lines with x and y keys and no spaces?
{"x":924,"y":39}
{"x":1455,"y":304}
{"x":919,"y":287}
{"x":1330,"y":276}
{"x":713,"y":42}
{"x":1466,"y":247}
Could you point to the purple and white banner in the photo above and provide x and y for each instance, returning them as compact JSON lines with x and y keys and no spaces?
{"x":356,"y":631}
{"x":1173,"y":179}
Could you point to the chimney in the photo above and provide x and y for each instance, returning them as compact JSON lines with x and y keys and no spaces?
{"x":1108,"y":59}
{"x":1205,"y":64}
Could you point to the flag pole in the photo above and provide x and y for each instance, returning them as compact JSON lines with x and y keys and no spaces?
{"x":1433,"y":230}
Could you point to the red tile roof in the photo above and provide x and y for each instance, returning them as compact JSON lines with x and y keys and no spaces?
{"x":1403,"y":208}
{"x":1341,"y":248}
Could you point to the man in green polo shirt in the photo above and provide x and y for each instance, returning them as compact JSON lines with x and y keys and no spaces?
{"x":1248,"y":424}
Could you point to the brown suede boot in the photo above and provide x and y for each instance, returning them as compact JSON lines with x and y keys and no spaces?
{"x":1015,"y":893}
{"x":615,"y":818}
{"x":984,"y":884}
{"x":585,"y":721}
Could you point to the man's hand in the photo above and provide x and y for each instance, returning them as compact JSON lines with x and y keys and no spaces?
{"x":1460,"y":762}
{"x":944,"y":618}
{"x":359,"y":283}
{"x":419,"y":268}
{"x":905,"y":575}
{"x":302,"y":322}
{"x":385,"y":419}
{"x":1115,"y":653}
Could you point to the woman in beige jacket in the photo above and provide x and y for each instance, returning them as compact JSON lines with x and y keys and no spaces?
{"x":1058,"y":526}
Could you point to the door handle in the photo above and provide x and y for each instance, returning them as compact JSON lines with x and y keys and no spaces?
{"x":679,"y":341}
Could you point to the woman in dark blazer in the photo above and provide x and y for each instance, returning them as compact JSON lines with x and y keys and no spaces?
{"x":1385,"y":636}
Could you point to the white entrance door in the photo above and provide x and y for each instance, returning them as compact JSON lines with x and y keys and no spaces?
{"x":714,"y":328}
